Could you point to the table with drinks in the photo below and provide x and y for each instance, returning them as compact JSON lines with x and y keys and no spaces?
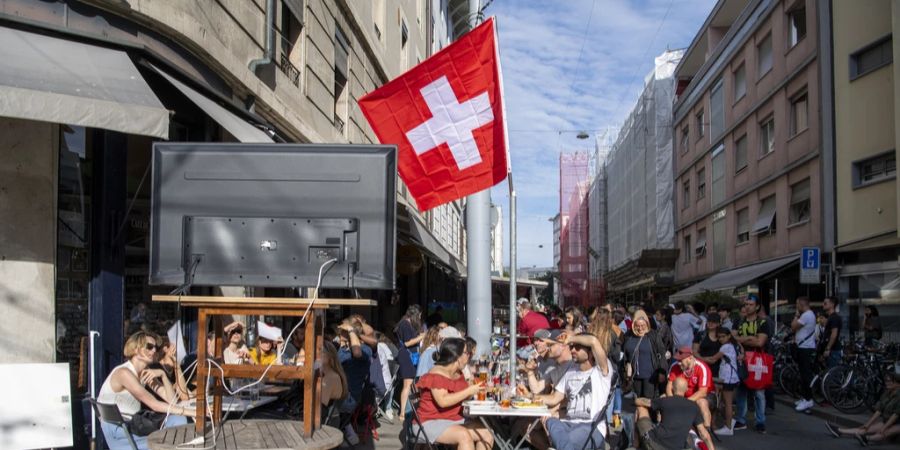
{"x":496,"y":402}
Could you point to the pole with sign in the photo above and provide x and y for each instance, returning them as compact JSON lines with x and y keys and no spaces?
{"x":810,"y":265}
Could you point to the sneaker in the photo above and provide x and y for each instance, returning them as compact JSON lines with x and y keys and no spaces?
{"x":760,"y":428}
{"x":733,"y":421}
{"x":389,"y":415}
{"x":833,"y":429}
{"x":864,"y":441}
{"x":350,"y":435}
{"x":724,"y":431}
{"x":804,"y":405}
{"x":798,"y":402}
{"x":739,"y":426}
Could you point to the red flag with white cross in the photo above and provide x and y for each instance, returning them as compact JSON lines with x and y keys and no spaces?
{"x":446,"y":117}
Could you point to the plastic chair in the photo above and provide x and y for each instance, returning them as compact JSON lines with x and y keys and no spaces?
{"x":110,"y":414}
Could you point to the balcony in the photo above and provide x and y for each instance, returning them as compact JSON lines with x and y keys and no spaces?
{"x":288,"y":68}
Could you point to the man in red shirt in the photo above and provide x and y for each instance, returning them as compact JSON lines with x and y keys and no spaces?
{"x":700,"y":387}
{"x":529,"y":322}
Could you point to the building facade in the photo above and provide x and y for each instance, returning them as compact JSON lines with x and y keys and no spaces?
{"x":748,"y":146}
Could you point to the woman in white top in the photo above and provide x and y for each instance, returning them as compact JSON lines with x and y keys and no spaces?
{"x":127,"y":387}
{"x":729,"y":354}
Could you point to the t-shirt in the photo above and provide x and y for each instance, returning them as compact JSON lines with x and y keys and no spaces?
{"x":833,"y":323}
{"x":805,"y":336}
{"x":679,"y":415}
{"x":231,"y":356}
{"x":728,"y":367}
{"x":406,"y":332}
{"x":426,"y":361}
{"x":356,"y":369}
{"x":753,"y":328}
{"x":586,"y":393}
{"x":889,"y":404}
{"x":428,"y":408}
{"x":263,"y":359}
{"x":557,"y":371}
{"x":385,"y":356}
{"x":530,"y":323}
{"x":708,"y":347}
{"x":683,"y":328}
{"x":700,"y":376}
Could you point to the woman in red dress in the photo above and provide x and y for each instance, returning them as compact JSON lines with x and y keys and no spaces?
{"x":443,"y":390}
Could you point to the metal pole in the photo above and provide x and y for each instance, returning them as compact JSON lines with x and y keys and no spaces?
{"x":478,"y":245}
{"x":776,"y":306}
{"x":512,"y":281}
{"x":91,"y":335}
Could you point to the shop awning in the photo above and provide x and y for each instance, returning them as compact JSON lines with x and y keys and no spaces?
{"x":418,"y":232}
{"x":239,"y":128}
{"x":726,"y":282}
{"x":55,"y":80}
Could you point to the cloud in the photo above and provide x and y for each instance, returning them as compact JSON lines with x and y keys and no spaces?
{"x":561,"y":75}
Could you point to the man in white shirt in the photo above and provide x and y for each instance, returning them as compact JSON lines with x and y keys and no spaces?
{"x":804,"y":327}
{"x":585,"y":387}
{"x":684,"y":326}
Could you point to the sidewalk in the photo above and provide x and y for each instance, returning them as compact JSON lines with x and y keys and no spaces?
{"x":786,"y":406}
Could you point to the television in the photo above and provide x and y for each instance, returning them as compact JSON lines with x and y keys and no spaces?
{"x":271,"y":215}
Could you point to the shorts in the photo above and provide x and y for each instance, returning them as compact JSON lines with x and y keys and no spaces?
{"x":730,"y":387}
{"x":435,"y":428}
{"x":711,"y":400}
{"x":644,"y":427}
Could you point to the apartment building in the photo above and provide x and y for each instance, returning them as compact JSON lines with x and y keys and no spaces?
{"x":748,"y":150}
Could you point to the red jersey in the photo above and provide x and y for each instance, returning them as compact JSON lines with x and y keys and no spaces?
{"x":700,"y":376}
{"x":529,"y":324}
{"x":428,"y":408}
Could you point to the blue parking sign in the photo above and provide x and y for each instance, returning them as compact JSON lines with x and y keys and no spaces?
{"x":810,"y":258}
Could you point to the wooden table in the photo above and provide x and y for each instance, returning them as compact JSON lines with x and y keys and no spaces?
{"x":249,"y":435}
{"x":313,"y":329}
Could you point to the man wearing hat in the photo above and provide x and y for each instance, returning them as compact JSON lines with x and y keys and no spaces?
{"x":699,"y":379}
{"x":551,"y":365}
{"x":529,"y":321}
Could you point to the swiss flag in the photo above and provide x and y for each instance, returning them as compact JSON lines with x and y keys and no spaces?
{"x":446,"y":117}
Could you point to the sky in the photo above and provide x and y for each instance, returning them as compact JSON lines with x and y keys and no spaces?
{"x":571,"y":65}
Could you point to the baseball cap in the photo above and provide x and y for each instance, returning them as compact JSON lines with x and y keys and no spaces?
{"x":449,"y":332}
{"x":683,"y":352}
{"x":523,"y":301}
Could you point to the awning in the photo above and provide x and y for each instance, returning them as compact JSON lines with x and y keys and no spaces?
{"x":726,"y":282}
{"x":422,"y":237}
{"x":239,"y":128}
{"x":55,"y":80}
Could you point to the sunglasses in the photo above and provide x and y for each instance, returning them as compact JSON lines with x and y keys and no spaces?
{"x":150,"y":346}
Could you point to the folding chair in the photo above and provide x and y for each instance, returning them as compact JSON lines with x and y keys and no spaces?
{"x":413,"y":440}
{"x":110,"y":414}
{"x":591,"y":443}
{"x":389,"y":396}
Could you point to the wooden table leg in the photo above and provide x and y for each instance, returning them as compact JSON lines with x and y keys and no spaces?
{"x":320,"y":330}
{"x":217,"y":386}
{"x":201,"y":370}
{"x":310,"y":400}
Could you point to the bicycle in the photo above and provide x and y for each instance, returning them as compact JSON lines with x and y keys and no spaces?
{"x":857,"y":382}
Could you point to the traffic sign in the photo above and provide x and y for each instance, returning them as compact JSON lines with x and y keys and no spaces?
{"x":810,"y":263}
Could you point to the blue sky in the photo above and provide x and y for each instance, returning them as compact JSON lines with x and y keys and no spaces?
{"x":550,"y":91}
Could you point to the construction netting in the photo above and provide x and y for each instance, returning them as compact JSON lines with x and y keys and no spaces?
{"x":639,"y":171}
{"x":574,"y":183}
{"x":597,"y":252}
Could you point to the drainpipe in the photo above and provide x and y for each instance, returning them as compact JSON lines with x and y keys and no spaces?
{"x":269,"y":57}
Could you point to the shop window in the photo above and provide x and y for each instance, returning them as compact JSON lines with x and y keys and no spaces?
{"x":872,"y":57}
{"x":876,"y":169}
{"x":743,"y":225}
{"x":799,"y":203}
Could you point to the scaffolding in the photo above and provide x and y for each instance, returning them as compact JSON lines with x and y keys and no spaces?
{"x":574,"y":183}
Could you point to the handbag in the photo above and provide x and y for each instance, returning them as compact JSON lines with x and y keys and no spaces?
{"x":145,"y":422}
{"x":763,"y":365}
{"x":414,"y":357}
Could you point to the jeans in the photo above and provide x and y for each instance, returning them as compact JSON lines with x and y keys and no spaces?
{"x":572,"y":435}
{"x":834,"y":358}
{"x":116,"y":439}
{"x":759,"y":405}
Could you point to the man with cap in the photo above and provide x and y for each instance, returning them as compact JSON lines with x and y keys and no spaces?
{"x":555,"y":362}
{"x":529,"y":321}
{"x":699,"y":379}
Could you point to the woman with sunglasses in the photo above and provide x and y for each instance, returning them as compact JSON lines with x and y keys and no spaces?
{"x":127,"y":388}
{"x":443,"y":391}
{"x":236,"y":352}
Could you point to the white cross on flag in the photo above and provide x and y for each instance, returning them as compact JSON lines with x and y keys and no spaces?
{"x":446,"y":118}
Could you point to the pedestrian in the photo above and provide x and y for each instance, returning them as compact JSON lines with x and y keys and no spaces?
{"x":729,"y":356}
{"x":529,"y":321}
{"x":706,"y":344}
{"x":829,"y":347}
{"x":724,"y":312}
{"x":752,"y":334}
{"x":872,"y":325}
{"x":679,"y":415}
{"x":684,"y":325}
{"x":804,"y":328}
{"x":645,"y":358}
{"x":410,"y":333}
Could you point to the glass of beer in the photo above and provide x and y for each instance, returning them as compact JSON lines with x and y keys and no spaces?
{"x":481,"y":395}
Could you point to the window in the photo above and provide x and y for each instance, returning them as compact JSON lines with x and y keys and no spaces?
{"x":764,"y":56}
{"x":701,"y":183}
{"x":875,"y":169}
{"x":740,"y":153}
{"x":743,"y":226}
{"x":799,"y":203}
{"x":797,"y":24}
{"x":341,"y":53}
{"x":701,"y":128}
{"x":686,"y":191}
{"x":686,"y":249}
{"x":872,"y":57}
{"x":765,"y":221}
{"x":740,"y":83}
{"x":291,"y":26}
{"x":700,"y":248}
{"x":799,"y":113}
{"x":685,"y":138}
{"x":716,"y":109}
{"x":404,"y":50}
{"x":767,"y":136}
{"x":378,"y":13}
{"x":719,"y":240}
{"x":718,"y":175}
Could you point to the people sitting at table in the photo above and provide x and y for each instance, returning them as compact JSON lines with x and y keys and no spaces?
{"x":294,"y":353}
{"x":128,"y":387}
{"x":443,"y":390}
{"x":699,"y":378}
{"x":887,"y":409}
{"x":167,"y":361}
{"x":552,"y":362}
{"x":235,"y":350}
{"x":585,"y":387}
{"x":356,"y":358}
{"x":269,"y":340}
{"x":678,"y":416}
